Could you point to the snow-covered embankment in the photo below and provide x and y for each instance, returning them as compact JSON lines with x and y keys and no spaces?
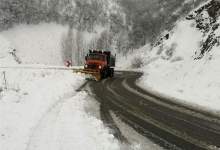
{"x":42,"y":110}
{"x":185,"y":63}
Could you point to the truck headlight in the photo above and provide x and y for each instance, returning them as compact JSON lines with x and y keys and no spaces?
{"x":86,"y":66}
{"x":100,"y":67}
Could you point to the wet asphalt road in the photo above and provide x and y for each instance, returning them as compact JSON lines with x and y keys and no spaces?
{"x":167,"y":123}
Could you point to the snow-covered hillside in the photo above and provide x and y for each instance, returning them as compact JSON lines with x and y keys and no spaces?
{"x":41,"y":44}
{"x":184,"y":63}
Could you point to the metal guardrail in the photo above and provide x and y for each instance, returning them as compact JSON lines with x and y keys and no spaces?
{"x":74,"y":68}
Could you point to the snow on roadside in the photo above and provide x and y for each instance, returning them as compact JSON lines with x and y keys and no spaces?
{"x":138,"y":142}
{"x":47,"y":101}
{"x":69,"y":127}
{"x":28,"y":96}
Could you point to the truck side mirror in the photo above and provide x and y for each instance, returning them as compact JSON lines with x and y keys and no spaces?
{"x":86,"y":57}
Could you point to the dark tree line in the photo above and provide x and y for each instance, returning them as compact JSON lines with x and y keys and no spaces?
{"x":82,"y":14}
{"x":148,"y":18}
{"x":131,"y":25}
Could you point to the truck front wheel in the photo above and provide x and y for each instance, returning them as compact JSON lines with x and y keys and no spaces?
{"x":104,"y":73}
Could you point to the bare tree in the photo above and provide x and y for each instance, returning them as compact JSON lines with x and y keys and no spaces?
{"x":68,"y":42}
{"x":4,"y":80}
{"x":79,"y":47}
{"x":105,"y":41}
{"x":122,"y":42}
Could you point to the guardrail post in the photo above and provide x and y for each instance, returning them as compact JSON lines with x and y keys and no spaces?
{"x":5,"y":80}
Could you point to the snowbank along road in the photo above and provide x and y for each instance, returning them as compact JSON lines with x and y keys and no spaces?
{"x":167,"y":123}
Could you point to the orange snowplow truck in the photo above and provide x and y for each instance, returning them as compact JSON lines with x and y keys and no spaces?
{"x":99,"y":64}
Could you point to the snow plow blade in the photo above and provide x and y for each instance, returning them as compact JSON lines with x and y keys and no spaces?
{"x":93,"y":73}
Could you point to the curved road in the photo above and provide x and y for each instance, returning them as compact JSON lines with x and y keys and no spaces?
{"x":169,"y":124}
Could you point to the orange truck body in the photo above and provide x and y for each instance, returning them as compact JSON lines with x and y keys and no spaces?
{"x":99,"y":64}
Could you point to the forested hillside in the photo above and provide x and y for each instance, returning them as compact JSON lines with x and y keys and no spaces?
{"x":83,"y":14}
{"x":149,"y":18}
{"x":146,"y":18}
{"x":116,"y":25}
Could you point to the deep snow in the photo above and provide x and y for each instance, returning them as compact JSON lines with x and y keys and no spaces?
{"x":37,"y":44}
{"x":42,"y":110}
{"x":42,"y":43}
{"x":40,"y":107}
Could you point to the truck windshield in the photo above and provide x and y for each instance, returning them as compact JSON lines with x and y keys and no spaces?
{"x":96,"y":57}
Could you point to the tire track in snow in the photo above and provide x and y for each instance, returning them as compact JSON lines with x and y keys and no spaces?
{"x":51,"y":114}
{"x":53,"y":111}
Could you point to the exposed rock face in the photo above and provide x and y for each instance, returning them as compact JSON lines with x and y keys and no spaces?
{"x":206,"y":19}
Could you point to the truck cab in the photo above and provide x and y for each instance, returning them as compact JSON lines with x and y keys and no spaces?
{"x":100,"y":63}
{"x":96,"y":61}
